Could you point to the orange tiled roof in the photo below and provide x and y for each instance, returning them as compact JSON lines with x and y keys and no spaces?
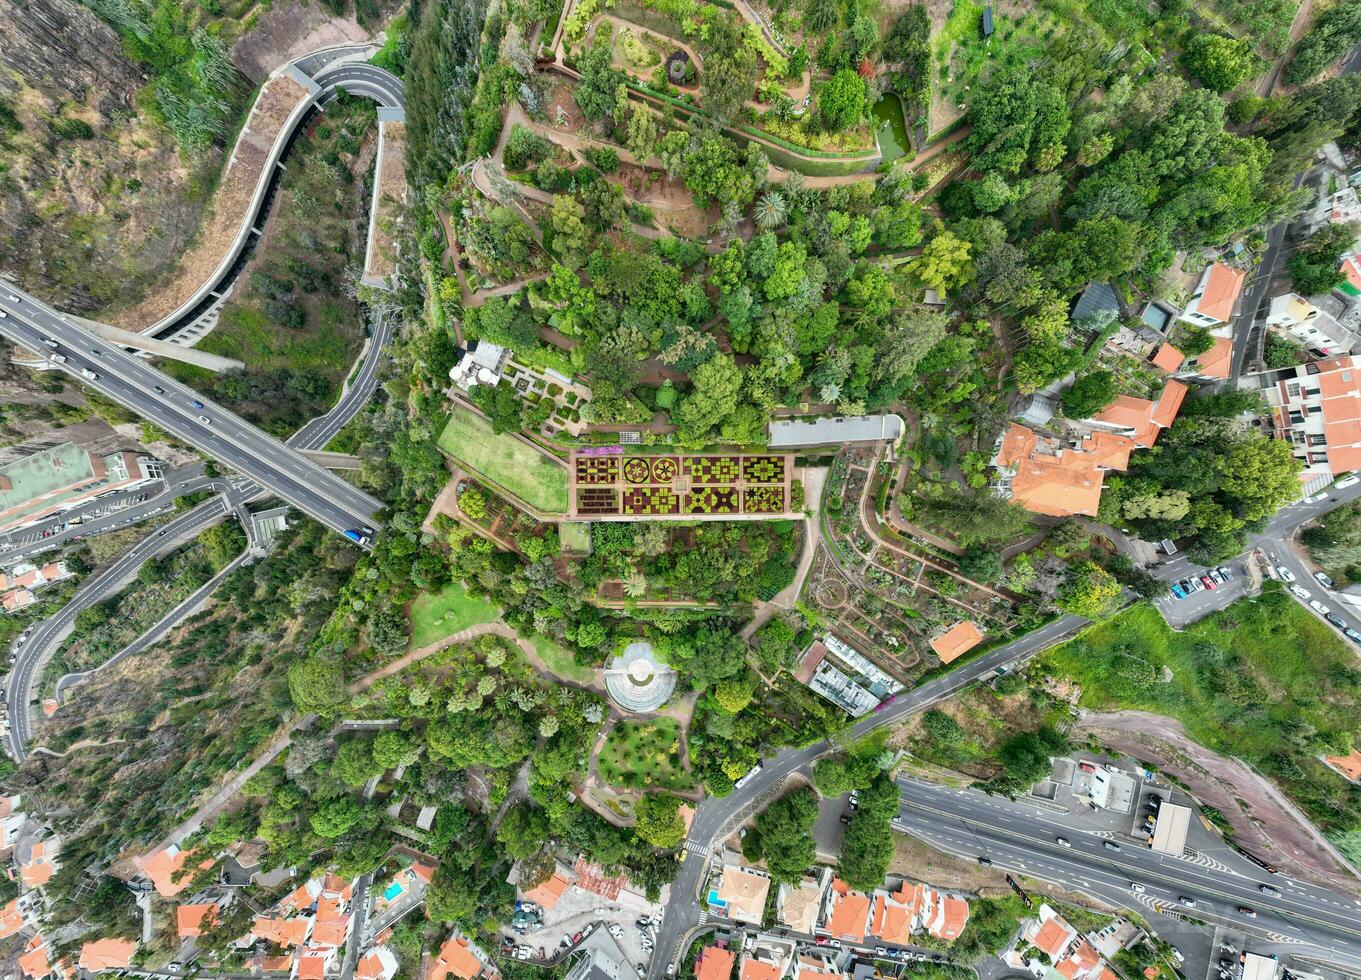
{"x":191,"y":920}
{"x":34,"y":962}
{"x":1167,"y":406}
{"x":1018,"y":443}
{"x":592,"y":878}
{"x":163,"y":866}
{"x":1067,"y":968}
{"x":1058,"y":486}
{"x":1221,"y":292}
{"x":330,"y":910}
{"x":890,"y":921}
{"x":282,"y":932}
{"x":1052,"y":937}
{"x":425,"y":872}
{"x":371,"y":966}
{"x":311,"y":966}
{"x":107,"y":954}
{"x":956,"y":641}
{"x":11,"y":919}
{"x":1108,"y":449}
{"x":277,"y":964}
{"x":1167,"y":358}
{"x":38,"y":871}
{"x":547,"y":893}
{"x":955,"y":914}
{"x":758,"y":970}
{"x":849,"y":915}
{"x":330,"y":933}
{"x":335,"y":885}
{"x":1216,"y":361}
{"x":715,"y":963}
{"x":1086,"y":956}
{"x":456,"y":958}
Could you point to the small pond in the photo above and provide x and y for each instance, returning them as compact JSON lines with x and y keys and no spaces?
{"x":890,"y":130}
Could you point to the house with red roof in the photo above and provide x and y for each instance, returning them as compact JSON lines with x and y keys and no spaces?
{"x":1317,"y":409}
{"x":1054,"y":477}
{"x":1070,"y":954}
{"x":107,"y":954}
{"x":379,"y":963}
{"x":165,"y":869}
{"x":458,"y":957}
{"x":1215,"y":297}
{"x":37,"y":860}
{"x":12,"y":919}
{"x":191,"y":921}
{"x":847,"y":913}
{"x":714,"y":963}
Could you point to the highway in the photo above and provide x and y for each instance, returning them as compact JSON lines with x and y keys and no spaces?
{"x":187,"y":415}
{"x":1024,"y":840}
{"x":37,"y":650}
{"x":718,"y":817}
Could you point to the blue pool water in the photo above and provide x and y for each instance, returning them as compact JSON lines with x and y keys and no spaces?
{"x":393,"y":890}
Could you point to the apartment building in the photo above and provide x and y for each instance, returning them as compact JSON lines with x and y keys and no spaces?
{"x":1317,"y":409}
{"x":50,"y":481}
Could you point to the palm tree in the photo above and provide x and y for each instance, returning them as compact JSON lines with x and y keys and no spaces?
{"x":770,"y":211}
{"x":635,"y":584}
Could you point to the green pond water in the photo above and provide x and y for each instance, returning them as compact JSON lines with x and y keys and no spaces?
{"x":889,"y":128}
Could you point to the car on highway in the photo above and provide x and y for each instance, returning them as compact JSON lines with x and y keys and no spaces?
{"x":205,"y":420}
{"x":50,"y":342}
{"x":158,"y":389}
{"x":746,"y":778}
{"x":1062,"y":842}
{"x":1347,"y":481}
{"x":1323,"y":580}
{"x":14,"y":299}
{"x":1286,"y":574}
{"x":196,"y":403}
{"x":1187,"y":900}
{"x":1110,"y":845}
{"x":1299,"y":592}
{"x":1137,"y":888}
{"x":1250,"y":913}
{"x":1269,"y":890}
{"x":86,"y":372}
{"x":1319,"y":607}
{"x":985,"y":861}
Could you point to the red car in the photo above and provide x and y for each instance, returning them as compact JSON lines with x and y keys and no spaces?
{"x":1209,"y":582}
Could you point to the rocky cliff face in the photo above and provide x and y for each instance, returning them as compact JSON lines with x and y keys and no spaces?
{"x":66,"y":53}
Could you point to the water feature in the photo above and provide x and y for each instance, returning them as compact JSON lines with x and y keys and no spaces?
{"x":890,"y":129}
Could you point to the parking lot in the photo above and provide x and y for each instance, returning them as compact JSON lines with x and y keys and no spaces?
{"x":1201,"y":602}
{"x":577,"y":910}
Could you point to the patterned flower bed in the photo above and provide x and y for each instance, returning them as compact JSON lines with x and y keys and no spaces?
{"x":763,"y":500}
{"x":712,"y":469}
{"x":763,"y":469}
{"x":636,"y":470}
{"x":664,"y":470}
{"x":597,"y":469}
{"x":598,"y":500}
{"x":647,"y":501}
{"x":712,"y":500}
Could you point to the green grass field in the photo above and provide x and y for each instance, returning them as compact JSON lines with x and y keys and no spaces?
{"x":437,"y":615}
{"x":560,"y":661}
{"x":641,"y":755}
{"x":505,"y":462}
{"x":1263,"y":680}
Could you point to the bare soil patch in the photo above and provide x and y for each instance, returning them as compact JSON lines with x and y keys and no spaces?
{"x":391,"y":181}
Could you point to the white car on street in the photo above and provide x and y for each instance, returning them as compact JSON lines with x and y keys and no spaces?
{"x":1319,"y":607}
{"x":1347,"y":481}
{"x":1300,"y":593}
{"x":1286,"y":574}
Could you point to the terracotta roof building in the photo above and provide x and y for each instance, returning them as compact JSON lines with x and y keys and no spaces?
{"x":34,"y":962}
{"x":850,"y":912}
{"x":192,"y":920}
{"x":1213,"y":365}
{"x":948,"y":917}
{"x":163,"y":870}
{"x":107,"y":954}
{"x":548,"y":893}
{"x":378,"y":963}
{"x":1140,"y":419}
{"x":1318,"y":411}
{"x":1167,"y":359}
{"x":1215,"y":296}
{"x":797,"y":907}
{"x":456,"y":958}
{"x":753,"y":969}
{"x":958,"y":640}
{"x":714,"y":963}
{"x":1348,"y":765}
{"x":11,"y":919}
{"x":1046,"y":476}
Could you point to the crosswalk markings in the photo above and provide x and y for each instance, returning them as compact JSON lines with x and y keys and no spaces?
{"x":695,"y":847}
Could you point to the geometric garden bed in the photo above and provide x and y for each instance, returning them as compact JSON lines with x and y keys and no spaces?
{"x":608,"y":483}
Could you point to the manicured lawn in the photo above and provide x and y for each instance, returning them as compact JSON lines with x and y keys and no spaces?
{"x":437,"y":615}
{"x":1263,"y":680}
{"x":560,"y":661}
{"x":505,"y":462}
{"x":644,"y":754}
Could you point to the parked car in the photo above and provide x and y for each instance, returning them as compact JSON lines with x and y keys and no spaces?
{"x":1177,"y":591}
{"x":1301,"y":593}
{"x":1351,"y":634}
{"x":1319,"y":607}
{"x":1336,"y":620}
{"x":1286,"y":574}
{"x":1209,"y":582}
{"x":1316,"y":498}
{"x":1323,"y":580}
{"x":1347,"y":481}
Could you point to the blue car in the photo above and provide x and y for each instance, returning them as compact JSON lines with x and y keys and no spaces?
{"x":1177,"y":591}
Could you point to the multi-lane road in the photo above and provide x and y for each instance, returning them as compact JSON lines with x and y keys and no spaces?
{"x":35,"y":652}
{"x":187,"y":415}
{"x":1226,"y":889}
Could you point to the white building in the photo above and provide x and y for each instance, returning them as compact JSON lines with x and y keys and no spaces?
{"x":481,"y":364}
{"x":845,"y":676}
{"x":1310,"y":325}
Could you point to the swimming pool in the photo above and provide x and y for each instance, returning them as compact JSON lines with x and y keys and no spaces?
{"x":393,"y":889}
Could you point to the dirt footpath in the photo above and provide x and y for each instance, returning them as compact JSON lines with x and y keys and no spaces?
{"x":1264,"y":821}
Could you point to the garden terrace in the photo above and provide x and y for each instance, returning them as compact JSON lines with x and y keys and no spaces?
{"x":608,"y":484}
